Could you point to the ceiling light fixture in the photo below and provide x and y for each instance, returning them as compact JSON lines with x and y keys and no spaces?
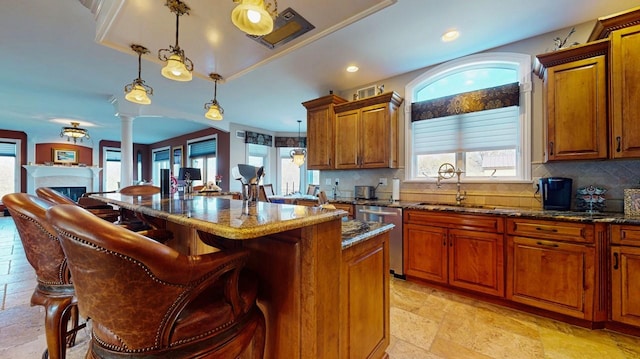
{"x":178,"y":66}
{"x":137,"y":91}
{"x":352,"y":68}
{"x":254,"y":17}
{"x":214,"y":111}
{"x":298,"y":155}
{"x":74,"y":132}
{"x":450,"y":35}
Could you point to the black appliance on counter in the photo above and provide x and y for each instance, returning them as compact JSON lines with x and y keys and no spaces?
{"x":556,"y":193}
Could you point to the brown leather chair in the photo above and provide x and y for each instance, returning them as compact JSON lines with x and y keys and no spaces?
{"x":140,"y":190}
{"x":102,"y":210}
{"x":147,"y":300}
{"x":107,"y":213}
{"x":54,"y":290}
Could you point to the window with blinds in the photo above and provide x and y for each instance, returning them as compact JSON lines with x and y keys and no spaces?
{"x":469,"y":113}
{"x":9,"y":182}
{"x":202,"y":154}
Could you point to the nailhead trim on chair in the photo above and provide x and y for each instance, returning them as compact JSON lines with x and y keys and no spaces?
{"x":164,"y":320}
{"x":62,"y":269}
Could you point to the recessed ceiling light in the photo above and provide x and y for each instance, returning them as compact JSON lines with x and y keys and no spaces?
{"x":450,"y":35}
{"x":352,"y":68}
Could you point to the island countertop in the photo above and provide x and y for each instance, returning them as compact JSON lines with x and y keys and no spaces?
{"x":228,"y":218}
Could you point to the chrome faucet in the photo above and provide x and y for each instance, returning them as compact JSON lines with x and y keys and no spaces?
{"x":447,"y":170}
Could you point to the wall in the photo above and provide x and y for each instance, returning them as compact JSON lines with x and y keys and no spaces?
{"x":44,"y":152}
{"x":613,"y":175}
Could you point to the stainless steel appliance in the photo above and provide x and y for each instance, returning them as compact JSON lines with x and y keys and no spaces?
{"x":391,"y":215}
{"x":556,"y":193}
{"x":365,"y":192}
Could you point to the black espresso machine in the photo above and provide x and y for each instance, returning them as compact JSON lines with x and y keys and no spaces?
{"x":556,"y":193}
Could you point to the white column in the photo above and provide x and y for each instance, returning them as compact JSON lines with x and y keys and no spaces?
{"x":126,"y":151}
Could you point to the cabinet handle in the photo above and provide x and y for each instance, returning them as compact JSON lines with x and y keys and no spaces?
{"x":552,"y":230}
{"x":551,"y":148}
{"x":547,"y":244}
{"x":618,"y":140}
{"x":615,"y":262}
{"x":444,"y":240}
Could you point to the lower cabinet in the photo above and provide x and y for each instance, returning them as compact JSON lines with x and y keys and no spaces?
{"x":625,"y":274}
{"x":552,"y":265}
{"x":460,"y":250}
{"x":364,"y":299}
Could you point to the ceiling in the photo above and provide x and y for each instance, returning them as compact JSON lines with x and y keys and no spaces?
{"x":71,"y":59}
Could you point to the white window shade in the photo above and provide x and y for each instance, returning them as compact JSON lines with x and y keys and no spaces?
{"x":477,"y":131}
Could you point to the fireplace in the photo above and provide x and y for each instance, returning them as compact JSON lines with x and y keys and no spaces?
{"x":62,"y":177}
{"x":72,"y":192}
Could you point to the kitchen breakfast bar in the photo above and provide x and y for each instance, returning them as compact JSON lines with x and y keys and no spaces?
{"x":324,"y":281}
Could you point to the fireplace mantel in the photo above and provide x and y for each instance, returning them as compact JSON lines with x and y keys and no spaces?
{"x":56,"y":176}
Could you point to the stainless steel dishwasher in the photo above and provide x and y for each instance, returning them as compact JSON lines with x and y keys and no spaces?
{"x":392,"y":215}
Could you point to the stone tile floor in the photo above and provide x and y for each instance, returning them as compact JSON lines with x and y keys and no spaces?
{"x":425,"y":323}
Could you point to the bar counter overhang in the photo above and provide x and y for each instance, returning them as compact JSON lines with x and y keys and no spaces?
{"x":307,"y":292}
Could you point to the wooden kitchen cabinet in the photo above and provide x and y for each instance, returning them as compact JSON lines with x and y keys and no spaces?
{"x":552,"y":265}
{"x":625,"y":274}
{"x":367,"y":133}
{"x":320,"y":131}
{"x":460,"y":250}
{"x":625,"y":93}
{"x":576,"y":90}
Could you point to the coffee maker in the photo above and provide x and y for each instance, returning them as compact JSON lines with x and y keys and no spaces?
{"x":556,"y":193}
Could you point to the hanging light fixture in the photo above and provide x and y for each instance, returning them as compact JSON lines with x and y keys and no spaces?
{"x":178,"y":66}
{"x":74,"y":132}
{"x":298,"y":155}
{"x":253,"y":17}
{"x":137,"y":91}
{"x":214,"y":110}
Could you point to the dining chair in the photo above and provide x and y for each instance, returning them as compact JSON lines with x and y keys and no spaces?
{"x":268,"y":188}
{"x":147,"y":300}
{"x":54,"y":289}
{"x":313,"y":189}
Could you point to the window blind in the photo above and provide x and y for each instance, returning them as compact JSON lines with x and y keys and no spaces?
{"x":477,"y":131}
{"x":202,"y":148}
{"x":257,"y":150}
{"x":8,"y":149}
{"x":163,"y":155}
{"x":114,"y":156}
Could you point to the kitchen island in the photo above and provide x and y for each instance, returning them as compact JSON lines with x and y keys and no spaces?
{"x":322,"y":297}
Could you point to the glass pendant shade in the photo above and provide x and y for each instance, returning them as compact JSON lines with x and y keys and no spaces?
{"x":214,"y":113}
{"x":176,"y":70}
{"x":252,"y":17}
{"x":298,"y":156}
{"x":138,"y":94}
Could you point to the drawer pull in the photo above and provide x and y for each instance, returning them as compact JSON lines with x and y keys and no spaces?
{"x":618,"y":144}
{"x":546,"y":244}
{"x":551,"y":148}
{"x":552,"y":230}
{"x":615,"y":263}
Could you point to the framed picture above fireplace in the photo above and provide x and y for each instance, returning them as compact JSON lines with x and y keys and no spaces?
{"x":64,"y":156}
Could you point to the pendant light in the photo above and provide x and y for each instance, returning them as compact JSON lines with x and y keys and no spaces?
{"x":253,"y":17}
{"x":137,"y":91}
{"x":178,"y":66}
{"x":74,"y":132}
{"x":214,"y":111}
{"x":298,"y":155}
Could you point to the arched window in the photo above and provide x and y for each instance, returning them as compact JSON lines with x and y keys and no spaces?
{"x":474,"y":113}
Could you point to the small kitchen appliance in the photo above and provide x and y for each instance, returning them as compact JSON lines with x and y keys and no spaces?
{"x":365,"y":192}
{"x":556,"y":193}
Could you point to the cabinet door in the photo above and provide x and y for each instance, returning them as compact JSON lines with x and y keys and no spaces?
{"x":577,"y":110}
{"x":374,"y":136}
{"x":551,"y":275}
{"x":625,"y":291}
{"x":476,"y":261}
{"x":625,"y":92}
{"x":347,"y":140}
{"x":320,"y":138}
{"x":425,"y":252}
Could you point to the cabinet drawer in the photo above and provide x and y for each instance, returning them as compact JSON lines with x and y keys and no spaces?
{"x":485,"y":223}
{"x":626,"y":235}
{"x":556,"y":230}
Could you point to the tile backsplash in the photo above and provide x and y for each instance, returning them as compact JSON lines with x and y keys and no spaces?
{"x":615,"y":176}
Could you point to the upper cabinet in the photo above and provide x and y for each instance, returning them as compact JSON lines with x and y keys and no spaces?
{"x":575,"y":100}
{"x":356,"y":134}
{"x":320,"y":131}
{"x":593,"y":89}
{"x":367,"y":133}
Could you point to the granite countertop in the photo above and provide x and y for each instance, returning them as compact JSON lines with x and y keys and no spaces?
{"x":355,"y":231}
{"x":574,"y":216}
{"x":228,"y":218}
